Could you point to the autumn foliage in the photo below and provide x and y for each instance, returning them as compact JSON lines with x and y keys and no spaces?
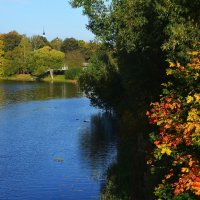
{"x":177,"y":140}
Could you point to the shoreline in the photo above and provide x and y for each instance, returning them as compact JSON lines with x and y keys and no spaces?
{"x":28,"y":78}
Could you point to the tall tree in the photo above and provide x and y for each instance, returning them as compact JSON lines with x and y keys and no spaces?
{"x":143,"y":34}
{"x":89,"y":49}
{"x":69,"y":44}
{"x":19,"y":58}
{"x":11,"y":40}
{"x":47,"y":58}
{"x":132,"y":25}
{"x":2,"y":59}
{"x":38,"y":42}
{"x":56,"y":43}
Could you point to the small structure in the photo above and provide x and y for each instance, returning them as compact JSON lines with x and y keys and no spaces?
{"x":51,"y":72}
{"x":65,"y":67}
{"x":43,"y":34}
{"x":85,"y":64}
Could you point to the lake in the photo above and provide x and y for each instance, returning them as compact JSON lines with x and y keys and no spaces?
{"x":53,"y":144}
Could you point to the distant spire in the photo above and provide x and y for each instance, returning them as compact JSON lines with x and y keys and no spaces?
{"x":44,"y":35}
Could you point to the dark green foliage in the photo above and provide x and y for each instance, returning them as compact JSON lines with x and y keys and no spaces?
{"x":39,"y":42}
{"x":73,"y":73}
{"x":69,"y":44}
{"x":101,"y":81}
{"x":88,"y":49}
{"x":11,"y":40}
{"x":137,"y":25}
{"x":56,"y":43}
{"x":143,"y":35}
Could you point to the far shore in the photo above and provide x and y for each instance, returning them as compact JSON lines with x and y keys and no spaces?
{"x":28,"y":77}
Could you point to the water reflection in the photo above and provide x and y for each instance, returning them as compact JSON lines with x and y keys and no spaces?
{"x":13,"y":92}
{"x":129,"y":175}
{"x":98,"y":144}
{"x":43,"y":150}
{"x":57,"y":149}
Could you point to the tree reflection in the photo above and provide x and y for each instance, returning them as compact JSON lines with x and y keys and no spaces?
{"x":13,"y":92}
{"x":98,"y":143}
{"x":129,"y":176}
{"x":118,"y":151}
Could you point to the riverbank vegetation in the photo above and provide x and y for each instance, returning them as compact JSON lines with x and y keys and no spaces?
{"x":139,"y":39}
{"x":21,"y":55}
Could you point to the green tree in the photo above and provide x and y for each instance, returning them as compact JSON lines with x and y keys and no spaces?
{"x":180,"y":20}
{"x":56,"y":43}
{"x":38,"y":42}
{"x":123,"y":28}
{"x":18,"y":59}
{"x":47,"y":58}
{"x":22,"y":53}
{"x":132,"y":25}
{"x":69,"y":44}
{"x":143,"y":34}
{"x":101,"y":81}
{"x":11,"y":40}
{"x":89,"y":49}
{"x":2,"y":59}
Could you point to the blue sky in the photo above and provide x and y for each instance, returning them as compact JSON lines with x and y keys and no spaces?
{"x":29,"y":16}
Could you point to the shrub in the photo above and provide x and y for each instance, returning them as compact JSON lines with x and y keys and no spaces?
{"x":177,"y":143}
{"x":73,"y":73}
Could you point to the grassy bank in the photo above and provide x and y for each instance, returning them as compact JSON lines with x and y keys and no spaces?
{"x":28,"y":77}
{"x":58,"y":78}
{"x":18,"y":77}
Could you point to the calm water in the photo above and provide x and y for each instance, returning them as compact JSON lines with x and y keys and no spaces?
{"x":53,"y":144}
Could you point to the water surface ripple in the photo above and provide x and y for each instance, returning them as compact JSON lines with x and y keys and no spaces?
{"x":53,"y":143}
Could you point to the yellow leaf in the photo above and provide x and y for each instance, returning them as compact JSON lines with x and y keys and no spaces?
{"x":159,"y":146}
{"x":171,"y":64}
{"x":184,"y":169}
{"x":163,"y":150}
{"x":169,"y":71}
{"x":197,"y":97}
{"x":178,"y":64}
{"x":168,"y":151}
{"x":195,"y":53}
{"x":190,"y":99}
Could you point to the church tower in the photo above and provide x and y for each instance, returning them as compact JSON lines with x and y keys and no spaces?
{"x":43,"y":34}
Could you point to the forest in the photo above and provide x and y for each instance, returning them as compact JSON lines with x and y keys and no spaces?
{"x":34,"y":55}
{"x":148,"y":71}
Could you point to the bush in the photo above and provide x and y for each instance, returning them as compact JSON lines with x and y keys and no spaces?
{"x":101,"y":81}
{"x":177,"y":144}
{"x":73,"y":73}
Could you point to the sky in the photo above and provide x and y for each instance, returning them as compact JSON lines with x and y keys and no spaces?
{"x":56,"y":16}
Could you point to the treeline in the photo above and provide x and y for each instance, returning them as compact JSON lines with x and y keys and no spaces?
{"x":20,"y":54}
{"x":139,"y":40}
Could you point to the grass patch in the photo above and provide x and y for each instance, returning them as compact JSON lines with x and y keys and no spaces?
{"x":18,"y":77}
{"x":59,"y":78}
